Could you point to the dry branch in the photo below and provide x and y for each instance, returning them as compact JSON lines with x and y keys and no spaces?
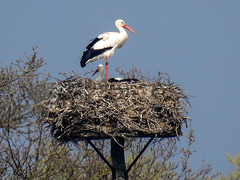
{"x":81,"y":108}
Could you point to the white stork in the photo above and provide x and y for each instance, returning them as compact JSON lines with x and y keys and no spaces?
{"x":99,"y":70}
{"x":105,"y":44}
{"x":99,"y":77}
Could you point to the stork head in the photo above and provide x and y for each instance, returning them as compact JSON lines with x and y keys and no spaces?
{"x":99,"y":68}
{"x":121,"y":23}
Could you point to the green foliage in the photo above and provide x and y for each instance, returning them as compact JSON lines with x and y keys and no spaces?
{"x":235,"y":162}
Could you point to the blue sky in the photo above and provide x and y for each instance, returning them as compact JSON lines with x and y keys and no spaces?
{"x":196,"y":42}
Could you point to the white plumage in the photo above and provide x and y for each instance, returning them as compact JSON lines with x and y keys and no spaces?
{"x":105,"y":44}
{"x":99,"y":72}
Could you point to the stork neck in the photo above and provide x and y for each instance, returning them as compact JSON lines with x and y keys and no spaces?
{"x":122,"y":30}
{"x":123,"y":34}
{"x":99,"y":75}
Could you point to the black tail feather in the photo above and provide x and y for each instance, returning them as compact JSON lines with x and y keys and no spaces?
{"x":91,"y":53}
{"x":87,"y":54}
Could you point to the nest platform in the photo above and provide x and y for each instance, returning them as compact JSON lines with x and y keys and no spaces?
{"x":80,"y":109}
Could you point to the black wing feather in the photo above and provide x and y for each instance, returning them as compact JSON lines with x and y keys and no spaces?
{"x":94,"y":41}
{"x":111,"y":80}
{"x":91,"y":53}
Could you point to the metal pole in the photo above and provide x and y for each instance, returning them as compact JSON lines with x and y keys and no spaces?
{"x":139,"y":155}
{"x":100,"y":154}
{"x":118,"y":159}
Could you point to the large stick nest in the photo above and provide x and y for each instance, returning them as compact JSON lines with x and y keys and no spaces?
{"x":81,"y":108}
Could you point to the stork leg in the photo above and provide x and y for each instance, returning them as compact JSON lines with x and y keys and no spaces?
{"x":107,"y":70}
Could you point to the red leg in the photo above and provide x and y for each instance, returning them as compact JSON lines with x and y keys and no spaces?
{"x":107,"y":70}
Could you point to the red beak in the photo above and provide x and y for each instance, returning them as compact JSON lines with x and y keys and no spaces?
{"x":95,"y":72}
{"x":128,"y":28}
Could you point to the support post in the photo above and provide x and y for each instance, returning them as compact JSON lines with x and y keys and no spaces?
{"x":100,"y":154}
{"x":118,"y":159}
{"x":118,"y":166}
{"x":139,"y":155}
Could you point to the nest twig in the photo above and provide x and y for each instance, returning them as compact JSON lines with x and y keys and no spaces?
{"x":81,"y":108}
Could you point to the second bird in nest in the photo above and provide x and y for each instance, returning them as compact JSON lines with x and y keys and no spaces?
{"x":99,"y":71}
